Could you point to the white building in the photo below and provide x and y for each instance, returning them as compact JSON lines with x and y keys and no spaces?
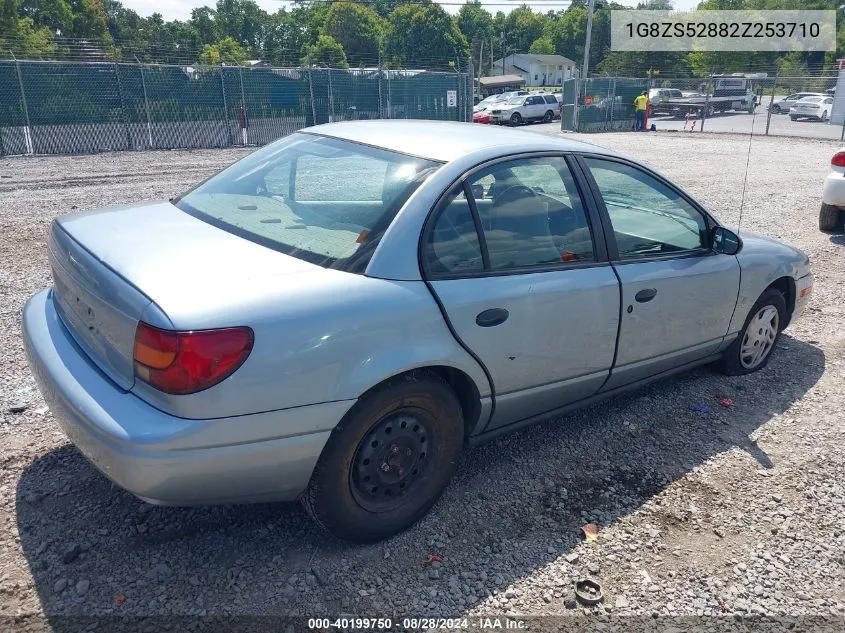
{"x":537,"y":70}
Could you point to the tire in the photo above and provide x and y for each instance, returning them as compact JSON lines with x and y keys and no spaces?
{"x":775,"y":109}
{"x":830,"y":218}
{"x":548,"y":117}
{"x":763,"y":325}
{"x":824,"y":116}
{"x":356,"y":492}
{"x":516,"y":119}
{"x":794,"y":118}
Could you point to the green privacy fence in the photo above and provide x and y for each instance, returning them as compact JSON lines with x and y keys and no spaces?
{"x":603,"y":103}
{"x":65,"y":107}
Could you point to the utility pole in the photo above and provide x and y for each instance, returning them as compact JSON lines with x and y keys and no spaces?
{"x":586,"y":67}
{"x":590,"y":8}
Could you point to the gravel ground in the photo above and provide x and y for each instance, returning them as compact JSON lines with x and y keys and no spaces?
{"x":735,"y":511}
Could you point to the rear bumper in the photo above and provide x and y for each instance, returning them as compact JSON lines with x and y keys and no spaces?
{"x":161,"y":458}
{"x":834,"y":189}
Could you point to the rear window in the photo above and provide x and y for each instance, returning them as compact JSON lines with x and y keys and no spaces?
{"x":323,"y":200}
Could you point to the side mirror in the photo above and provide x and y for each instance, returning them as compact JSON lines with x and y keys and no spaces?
{"x":725,"y":241}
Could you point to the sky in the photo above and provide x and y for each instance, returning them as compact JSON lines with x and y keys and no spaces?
{"x":181,"y":9}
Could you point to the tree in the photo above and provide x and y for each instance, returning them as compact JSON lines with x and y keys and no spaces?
{"x":204,"y":21}
{"x":326,"y":51}
{"x":226,"y":51}
{"x":25,"y":38}
{"x":424,"y":35}
{"x":476,"y":24}
{"x":542,"y":46}
{"x":522,"y":28}
{"x":357,"y":28}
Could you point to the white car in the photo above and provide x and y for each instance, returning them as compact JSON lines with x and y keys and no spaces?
{"x":817,"y":108}
{"x":784,"y":105}
{"x":832,"y":214}
{"x":523,"y":108}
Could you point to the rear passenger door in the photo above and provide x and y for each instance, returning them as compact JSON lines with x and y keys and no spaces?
{"x":514,"y":258}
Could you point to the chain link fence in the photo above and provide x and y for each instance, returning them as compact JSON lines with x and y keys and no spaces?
{"x":74,"y":107}
{"x":735,"y":103}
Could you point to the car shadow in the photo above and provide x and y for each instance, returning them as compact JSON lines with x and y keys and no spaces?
{"x":515,"y":505}
{"x":838,"y":239}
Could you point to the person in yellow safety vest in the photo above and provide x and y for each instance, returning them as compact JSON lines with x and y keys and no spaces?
{"x":640,"y":103}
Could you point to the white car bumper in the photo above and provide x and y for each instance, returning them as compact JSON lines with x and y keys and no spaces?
{"x":834,"y":189}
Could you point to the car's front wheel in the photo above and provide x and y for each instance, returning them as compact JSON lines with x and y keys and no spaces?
{"x":516,"y":118}
{"x":753,"y":348}
{"x":388,"y":460}
{"x":831,"y":218}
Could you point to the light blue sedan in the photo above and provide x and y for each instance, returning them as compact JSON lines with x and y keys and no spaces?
{"x":334,"y":317}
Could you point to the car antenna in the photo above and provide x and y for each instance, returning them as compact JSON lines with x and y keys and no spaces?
{"x":747,"y":162}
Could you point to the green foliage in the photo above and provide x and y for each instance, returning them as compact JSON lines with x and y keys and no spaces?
{"x":226,"y":51}
{"x":542,"y":46}
{"x":424,"y":35}
{"x":357,"y":28}
{"x":326,"y":51}
{"x":418,"y":33}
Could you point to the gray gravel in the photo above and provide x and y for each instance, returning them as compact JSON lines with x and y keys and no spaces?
{"x":735,"y":511}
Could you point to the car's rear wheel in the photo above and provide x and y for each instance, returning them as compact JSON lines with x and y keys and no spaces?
{"x":753,"y":348}
{"x":388,"y":460}
{"x":824,"y":116}
{"x":794,"y":118}
{"x":516,"y":118}
{"x":548,"y":117}
{"x":831,"y":218}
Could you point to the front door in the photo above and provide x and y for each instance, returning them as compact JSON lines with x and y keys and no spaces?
{"x":678,"y":296}
{"x":512,"y":259}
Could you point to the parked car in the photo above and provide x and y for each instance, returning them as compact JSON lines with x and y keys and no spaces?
{"x":335,"y":316}
{"x":832,"y":214}
{"x":481,"y":117}
{"x":785,"y":105}
{"x":817,"y":108}
{"x":524,"y":108}
{"x":486,"y":103}
{"x":660,"y":98}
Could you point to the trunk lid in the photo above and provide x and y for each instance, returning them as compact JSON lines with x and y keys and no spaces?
{"x":155,"y":263}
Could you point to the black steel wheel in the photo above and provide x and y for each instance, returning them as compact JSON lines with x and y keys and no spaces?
{"x":548,"y":117}
{"x":516,"y":118}
{"x":388,"y":460}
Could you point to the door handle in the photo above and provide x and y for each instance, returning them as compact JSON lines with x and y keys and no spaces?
{"x":491,"y":317}
{"x":646,"y":295}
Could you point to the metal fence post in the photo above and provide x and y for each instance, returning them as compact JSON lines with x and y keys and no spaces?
{"x":470,"y":83}
{"x":146,"y":104}
{"x":771,"y":103}
{"x":26,"y":131}
{"x":225,"y":108}
{"x":311,"y":93}
{"x":379,"y":86}
{"x":711,"y":87}
{"x":331,"y":96}
{"x":612,"y":103}
{"x":122,"y":106}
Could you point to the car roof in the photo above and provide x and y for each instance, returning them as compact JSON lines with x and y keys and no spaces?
{"x":447,"y":140}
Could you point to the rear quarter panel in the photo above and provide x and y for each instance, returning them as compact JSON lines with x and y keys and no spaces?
{"x":320,"y":337}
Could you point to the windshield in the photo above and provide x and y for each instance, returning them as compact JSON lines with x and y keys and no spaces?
{"x":516,"y":100}
{"x":324,"y":200}
{"x":488,"y":101}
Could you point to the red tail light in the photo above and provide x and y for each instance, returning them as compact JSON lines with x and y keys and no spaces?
{"x":838,"y":159}
{"x":187,"y":362}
